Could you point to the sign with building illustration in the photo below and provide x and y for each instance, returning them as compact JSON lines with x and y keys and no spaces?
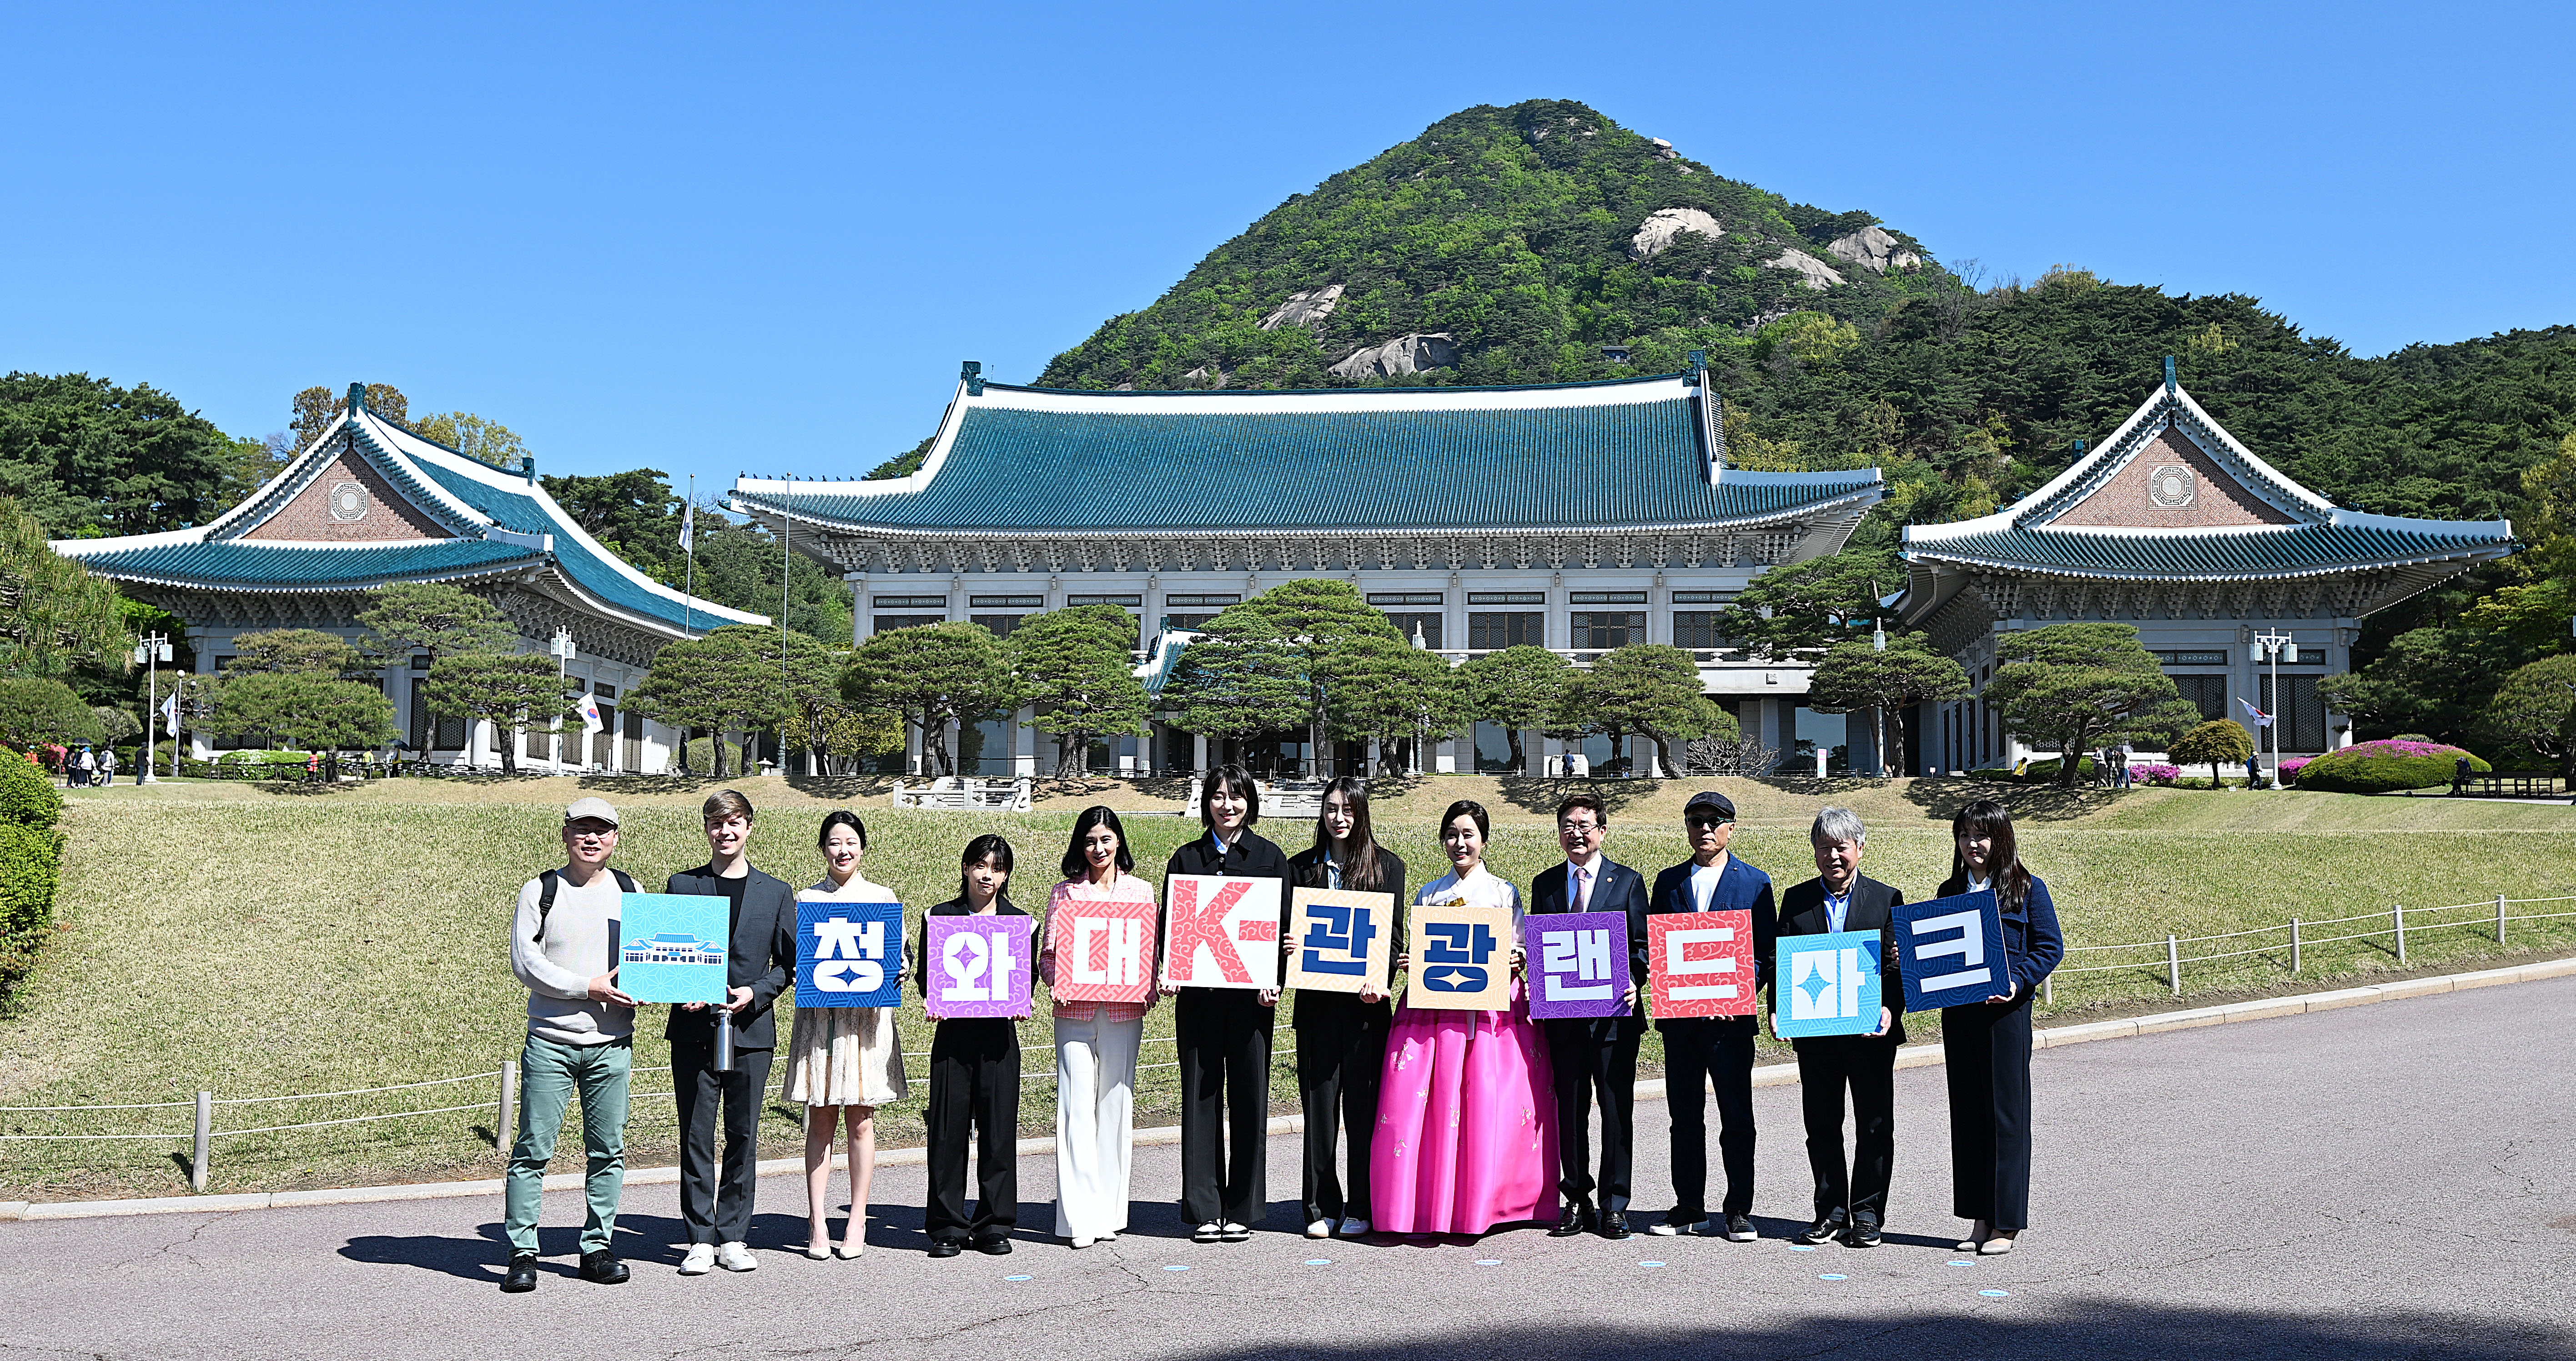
{"x":671,"y":946}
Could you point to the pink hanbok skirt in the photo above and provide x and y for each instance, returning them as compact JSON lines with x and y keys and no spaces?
{"x":1466,"y":1123}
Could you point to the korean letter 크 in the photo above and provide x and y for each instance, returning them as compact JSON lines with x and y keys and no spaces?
{"x":1340,"y":939}
{"x":1578,"y":965}
{"x":1826,"y":985}
{"x":979,"y":966}
{"x":1104,"y":951}
{"x":1700,"y":963}
{"x":671,"y":946}
{"x":1462,"y":957}
{"x":849,"y":954}
{"x":1221,"y":932}
{"x":1951,"y":951}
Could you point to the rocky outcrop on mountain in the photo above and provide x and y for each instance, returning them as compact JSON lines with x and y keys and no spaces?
{"x":1417,"y":353}
{"x":1817,"y":273}
{"x":1662,"y":225}
{"x":1873,"y":248}
{"x":1304,"y":309}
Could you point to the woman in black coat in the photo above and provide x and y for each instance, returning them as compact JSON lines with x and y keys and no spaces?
{"x":1987,"y":1045}
{"x":1341,"y":1036}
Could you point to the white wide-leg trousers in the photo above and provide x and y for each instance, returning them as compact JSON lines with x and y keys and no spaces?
{"x":1095,"y":1123}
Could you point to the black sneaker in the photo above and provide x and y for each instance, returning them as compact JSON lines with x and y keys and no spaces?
{"x":1864,"y":1231}
{"x":1739,"y":1229}
{"x":522,"y":1274}
{"x":1826,"y":1229}
{"x":603,"y":1268}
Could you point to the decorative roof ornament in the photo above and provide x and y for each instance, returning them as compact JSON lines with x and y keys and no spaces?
{"x":973,"y":373}
{"x":357,"y":397}
{"x":2170,"y":383}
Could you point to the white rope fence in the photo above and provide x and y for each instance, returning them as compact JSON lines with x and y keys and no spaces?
{"x":2294,"y":934}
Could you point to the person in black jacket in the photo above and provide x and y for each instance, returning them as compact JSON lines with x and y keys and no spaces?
{"x":1341,"y":1036}
{"x":1595,"y":1055}
{"x":1849,"y":1205}
{"x":1224,"y":1033}
{"x":974,"y":1083}
{"x":1703,"y":1052}
{"x":759,"y":961}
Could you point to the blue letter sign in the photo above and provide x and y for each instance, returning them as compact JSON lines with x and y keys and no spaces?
{"x":1952,"y":951}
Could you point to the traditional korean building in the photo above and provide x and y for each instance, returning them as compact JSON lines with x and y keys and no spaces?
{"x":2175,"y":527}
{"x":369,"y":503}
{"x":1580,"y":517}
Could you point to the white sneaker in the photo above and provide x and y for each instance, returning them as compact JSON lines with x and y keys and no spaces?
{"x":700,"y":1260}
{"x":1321,"y":1228}
{"x":1236,"y":1233}
{"x":1354,"y":1227}
{"x":736,"y":1257}
{"x":1209,"y":1232}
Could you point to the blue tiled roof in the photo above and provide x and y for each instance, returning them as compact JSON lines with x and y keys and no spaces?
{"x":593,"y":573}
{"x":1612,"y":465}
{"x":251,"y":564}
{"x":2251,"y":552}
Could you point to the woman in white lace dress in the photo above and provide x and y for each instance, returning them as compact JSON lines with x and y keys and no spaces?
{"x":844,"y":1062}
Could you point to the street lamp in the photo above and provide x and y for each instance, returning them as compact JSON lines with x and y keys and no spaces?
{"x":2272,"y":645}
{"x":153,"y":650}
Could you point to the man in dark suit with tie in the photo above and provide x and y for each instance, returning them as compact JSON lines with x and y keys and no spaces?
{"x":760,"y":958}
{"x":1849,"y":1205}
{"x":1594,"y":1054}
{"x":1712,"y":1051}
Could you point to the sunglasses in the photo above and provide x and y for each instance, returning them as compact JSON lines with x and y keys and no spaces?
{"x":1706,"y":821}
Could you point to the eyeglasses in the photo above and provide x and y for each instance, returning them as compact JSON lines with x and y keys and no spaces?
{"x":1706,"y":821}
{"x":1579,"y":828}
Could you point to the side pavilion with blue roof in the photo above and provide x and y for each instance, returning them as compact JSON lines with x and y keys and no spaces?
{"x":1580,"y":517}
{"x":367,"y":504}
{"x":2174,"y":527}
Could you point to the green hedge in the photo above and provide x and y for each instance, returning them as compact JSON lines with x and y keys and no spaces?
{"x":2385,"y":767}
{"x":31,"y":860}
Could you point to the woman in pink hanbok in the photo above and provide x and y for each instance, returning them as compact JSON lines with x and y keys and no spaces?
{"x":1466,"y":1126}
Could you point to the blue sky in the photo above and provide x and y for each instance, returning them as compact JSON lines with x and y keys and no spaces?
{"x":707,"y":240}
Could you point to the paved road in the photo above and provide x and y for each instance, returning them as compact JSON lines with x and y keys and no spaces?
{"x":2389,"y":1181}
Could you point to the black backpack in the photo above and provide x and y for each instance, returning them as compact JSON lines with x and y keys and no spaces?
{"x":546,"y":896}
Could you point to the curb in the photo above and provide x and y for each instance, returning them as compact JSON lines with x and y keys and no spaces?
{"x":1769,"y":1075}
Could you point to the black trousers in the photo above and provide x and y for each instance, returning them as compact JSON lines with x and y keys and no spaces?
{"x":1867,"y":1067}
{"x":1986,"y":1057}
{"x":1699,"y":1051}
{"x":1341,"y":1060}
{"x":1224,"y":1038}
{"x":1594,"y":1059}
{"x":717,"y":1208}
{"x":974,"y":1080}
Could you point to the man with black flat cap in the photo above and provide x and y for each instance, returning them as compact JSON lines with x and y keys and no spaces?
{"x":1715,"y":1051}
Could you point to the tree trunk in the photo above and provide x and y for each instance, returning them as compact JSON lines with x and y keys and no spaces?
{"x":509,"y":752}
{"x":1664,"y":767}
{"x":1520,"y":759}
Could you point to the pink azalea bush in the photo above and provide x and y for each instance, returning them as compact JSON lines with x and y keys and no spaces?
{"x":2290,"y":767}
{"x":2384,"y":766}
{"x":2155,"y":774}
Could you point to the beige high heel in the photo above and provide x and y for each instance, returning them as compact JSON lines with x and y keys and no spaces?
{"x":1978,"y":1233}
{"x":1998,"y":1245}
{"x":859,"y":1234}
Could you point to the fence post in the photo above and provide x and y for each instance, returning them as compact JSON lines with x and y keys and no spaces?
{"x":2294,"y":945}
{"x":2398,"y":911}
{"x":2499,"y":919}
{"x":505,"y":1126}
{"x":2173,"y":963}
{"x":2048,"y":989}
{"x":205,"y":1141}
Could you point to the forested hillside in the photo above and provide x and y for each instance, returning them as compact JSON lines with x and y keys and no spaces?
{"x":1544,"y":243}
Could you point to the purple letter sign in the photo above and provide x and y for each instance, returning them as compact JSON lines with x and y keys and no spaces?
{"x":1578,"y":964}
{"x":978,"y":966}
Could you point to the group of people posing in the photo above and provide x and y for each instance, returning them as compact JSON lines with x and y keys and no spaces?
{"x":1417,"y":1120}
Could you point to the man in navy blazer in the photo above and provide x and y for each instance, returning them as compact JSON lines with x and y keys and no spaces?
{"x":1849,"y":1206}
{"x":1712,"y":1050}
{"x":1594,"y":1054}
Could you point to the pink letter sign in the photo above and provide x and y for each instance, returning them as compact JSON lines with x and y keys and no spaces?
{"x":1701,"y":963}
{"x":1221,"y":932}
{"x":979,"y":966}
{"x":1104,"y":951}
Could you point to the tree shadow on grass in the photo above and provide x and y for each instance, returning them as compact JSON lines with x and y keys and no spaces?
{"x":1542,"y":793}
{"x":1980,"y":1325}
{"x":1943,"y":798}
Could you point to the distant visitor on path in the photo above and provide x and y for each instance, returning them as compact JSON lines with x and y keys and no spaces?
{"x":580,"y":1039}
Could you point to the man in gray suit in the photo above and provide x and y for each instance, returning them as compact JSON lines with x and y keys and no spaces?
{"x":760,"y":959}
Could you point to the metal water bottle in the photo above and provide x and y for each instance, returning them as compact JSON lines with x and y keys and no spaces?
{"x":724,"y":1042}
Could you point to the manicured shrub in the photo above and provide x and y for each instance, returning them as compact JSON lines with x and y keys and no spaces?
{"x":2042,"y":772}
{"x":2154,"y":773}
{"x":30,"y":870}
{"x":2384,"y":767}
{"x":27,"y":796}
{"x":2291,"y":766}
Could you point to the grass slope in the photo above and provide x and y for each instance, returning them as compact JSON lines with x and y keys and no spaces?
{"x":257,"y":944}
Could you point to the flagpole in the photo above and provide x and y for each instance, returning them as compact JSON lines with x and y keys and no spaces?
{"x":786,"y":689}
{"x":689,"y":546}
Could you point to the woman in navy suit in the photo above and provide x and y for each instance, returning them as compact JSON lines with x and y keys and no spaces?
{"x":1988,"y":1044}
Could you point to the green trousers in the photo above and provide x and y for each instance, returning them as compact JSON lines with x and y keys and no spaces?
{"x":549,"y":1074}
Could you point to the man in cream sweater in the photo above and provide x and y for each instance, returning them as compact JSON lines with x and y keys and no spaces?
{"x":563,"y":945}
